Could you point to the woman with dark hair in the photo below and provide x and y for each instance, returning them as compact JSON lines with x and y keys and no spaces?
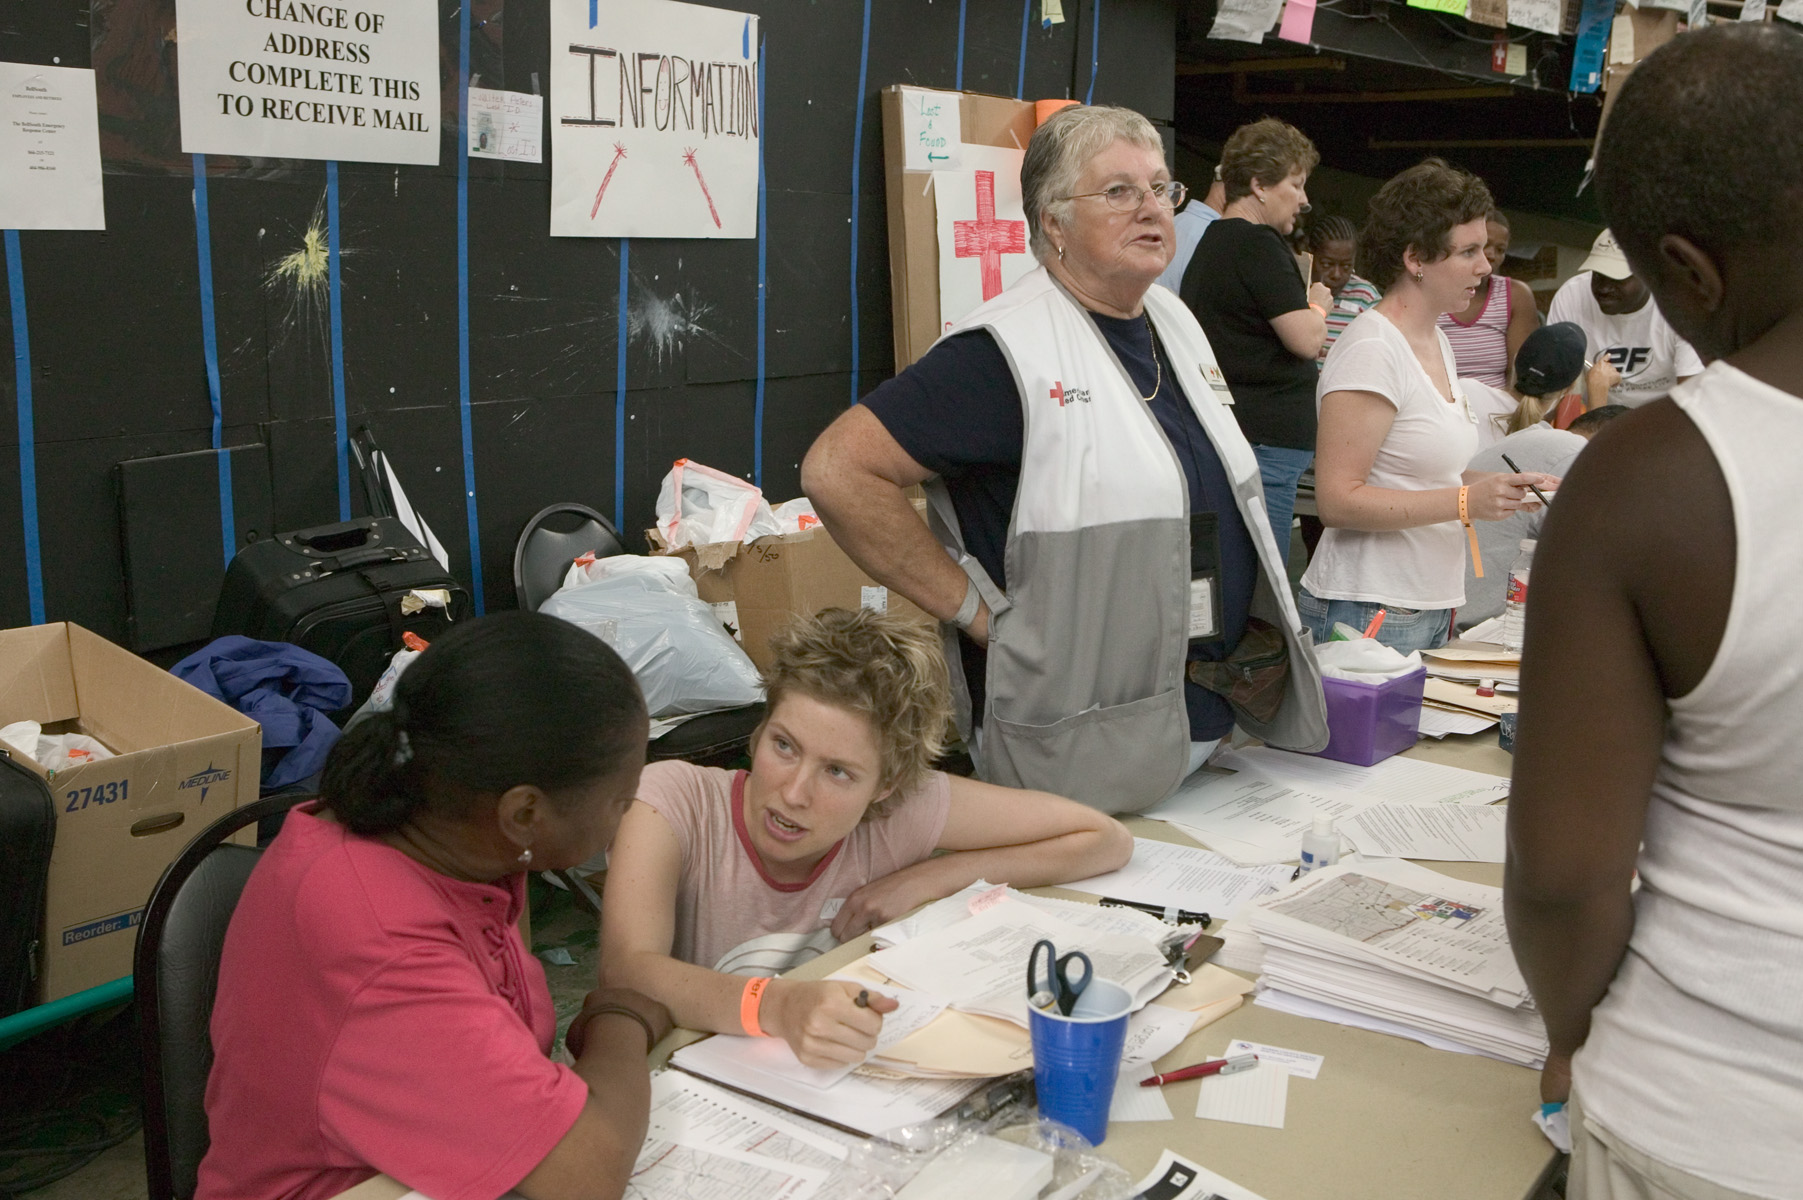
{"x":376,"y":1010}
{"x":1334,"y":243}
{"x":1395,"y":430}
{"x":1264,"y":321}
{"x":1488,"y":332}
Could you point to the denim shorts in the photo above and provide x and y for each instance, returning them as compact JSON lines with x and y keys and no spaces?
{"x":1404,"y":629}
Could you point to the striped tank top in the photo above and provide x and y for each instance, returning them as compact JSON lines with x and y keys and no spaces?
{"x":1482,"y":348}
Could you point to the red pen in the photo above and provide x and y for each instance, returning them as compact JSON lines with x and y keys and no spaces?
{"x":1220,"y":1066}
{"x":1377,"y":623}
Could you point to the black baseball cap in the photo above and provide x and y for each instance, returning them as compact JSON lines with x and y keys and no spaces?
{"x":1550,"y":360}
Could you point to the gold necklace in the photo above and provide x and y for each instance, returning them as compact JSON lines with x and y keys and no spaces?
{"x":1158,"y":380}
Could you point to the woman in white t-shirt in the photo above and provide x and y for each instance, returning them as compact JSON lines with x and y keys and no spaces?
{"x":1395,"y":431}
{"x":717,"y":876}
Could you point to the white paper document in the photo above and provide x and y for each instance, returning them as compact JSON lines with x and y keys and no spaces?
{"x":1299,"y":1063}
{"x":1135,"y":1103}
{"x":1185,"y":877}
{"x":959,"y":906}
{"x":1441,"y":722}
{"x":1446,"y":832}
{"x":980,"y":965}
{"x":932,"y":130}
{"x":1177,"y":1178}
{"x":1397,"y":779}
{"x":1245,"y":20}
{"x":774,"y":1056}
{"x":49,"y":149}
{"x":872,"y":1106}
{"x":1251,"y":817}
{"x":1153,"y":1032}
{"x":696,"y":1113}
{"x":1255,"y":1097}
{"x":506,"y":125}
{"x":982,"y":229}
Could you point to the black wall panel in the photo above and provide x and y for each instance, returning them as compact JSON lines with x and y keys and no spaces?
{"x":115,"y":318}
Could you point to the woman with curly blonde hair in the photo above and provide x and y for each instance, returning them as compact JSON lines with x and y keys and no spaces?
{"x":719,"y":875}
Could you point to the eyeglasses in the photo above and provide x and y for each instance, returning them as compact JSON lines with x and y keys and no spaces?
{"x":1127,"y":197}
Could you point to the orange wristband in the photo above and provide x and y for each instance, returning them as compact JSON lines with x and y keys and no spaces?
{"x":1477,"y":559}
{"x":749,"y":1000}
{"x":1317,"y":308}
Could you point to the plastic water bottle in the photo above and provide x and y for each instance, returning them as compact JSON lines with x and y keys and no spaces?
{"x":1515,"y":600}
{"x":1320,"y":845}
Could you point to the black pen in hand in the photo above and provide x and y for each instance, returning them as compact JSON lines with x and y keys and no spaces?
{"x":1531,"y":487}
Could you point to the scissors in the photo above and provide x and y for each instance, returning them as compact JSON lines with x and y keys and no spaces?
{"x":1054,"y":985}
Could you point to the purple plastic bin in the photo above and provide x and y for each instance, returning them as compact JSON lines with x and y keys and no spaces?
{"x":1368,"y":722}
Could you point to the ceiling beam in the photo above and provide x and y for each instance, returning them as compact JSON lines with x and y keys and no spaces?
{"x":1480,"y":144}
{"x":1259,"y":66}
{"x":1242,"y":96}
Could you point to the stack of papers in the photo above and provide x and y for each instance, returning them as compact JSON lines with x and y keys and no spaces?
{"x":1395,"y":946}
{"x":960,"y":906}
{"x":979,"y":965}
{"x":1184,"y":877}
{"x":1259,"y":812}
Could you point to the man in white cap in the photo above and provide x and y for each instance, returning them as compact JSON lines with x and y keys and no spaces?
{"x":1620,"y":321}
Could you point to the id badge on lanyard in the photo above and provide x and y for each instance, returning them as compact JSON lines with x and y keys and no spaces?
{"x":1205,"y":619}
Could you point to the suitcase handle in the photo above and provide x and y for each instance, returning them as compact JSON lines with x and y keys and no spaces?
{"x":363,"y":557}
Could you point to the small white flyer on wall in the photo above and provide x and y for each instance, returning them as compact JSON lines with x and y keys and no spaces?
{"x":932,"y":130}
{"x":49,"y":149}
{"x":356,"y":80}
{"x":507,"y":125}
{"x":654,"y":120}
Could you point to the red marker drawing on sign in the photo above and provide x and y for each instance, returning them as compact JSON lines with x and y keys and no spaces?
{"x":688,"y":156}
{"x":987,"y":239}
{"x":619,"y":153}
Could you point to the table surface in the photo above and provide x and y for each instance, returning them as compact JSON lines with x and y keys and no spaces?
{"x":1387,"y":1118}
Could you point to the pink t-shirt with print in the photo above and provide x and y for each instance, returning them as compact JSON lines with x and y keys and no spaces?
{"x":730,"y":915}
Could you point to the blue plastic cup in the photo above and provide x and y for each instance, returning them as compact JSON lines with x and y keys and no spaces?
{"x":1076,"y":1059}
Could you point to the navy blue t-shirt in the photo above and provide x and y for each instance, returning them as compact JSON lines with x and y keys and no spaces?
{"x":957,"y":412}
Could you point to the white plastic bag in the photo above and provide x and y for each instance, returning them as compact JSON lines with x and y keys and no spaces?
{"x":589,"y":569}
{"x":698,"y":505}
{"x":53,"y":751}
{"x":681,"y":655}
{"x":794,"y":516}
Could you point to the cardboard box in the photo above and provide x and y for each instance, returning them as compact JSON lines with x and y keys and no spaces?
{"x":183,"y":760}
{"x":767,"y":581}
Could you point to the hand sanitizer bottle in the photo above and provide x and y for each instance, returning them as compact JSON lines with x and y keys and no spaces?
{"x":1320,"y":846}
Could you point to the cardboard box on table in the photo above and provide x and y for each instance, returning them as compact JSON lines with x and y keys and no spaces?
{"x":183,"y":759}
{"x":774,"y":578}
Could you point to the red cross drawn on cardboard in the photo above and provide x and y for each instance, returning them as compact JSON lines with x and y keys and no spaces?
{"x":986,"y":238}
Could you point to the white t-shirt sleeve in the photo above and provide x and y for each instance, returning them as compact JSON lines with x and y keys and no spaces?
{"x":1565,"y":305}
{"x":1685,"y":360}
{"x":1361,"y":362}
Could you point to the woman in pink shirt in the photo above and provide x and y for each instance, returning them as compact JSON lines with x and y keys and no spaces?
{"x":376,"y":1010}
{"x":721,"y":875}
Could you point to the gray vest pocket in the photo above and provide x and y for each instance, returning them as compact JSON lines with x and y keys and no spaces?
{"x":1106,"y":758}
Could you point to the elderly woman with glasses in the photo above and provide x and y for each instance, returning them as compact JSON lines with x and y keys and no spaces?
{"x":1266,"y":321}
{"x":1099,"y":549}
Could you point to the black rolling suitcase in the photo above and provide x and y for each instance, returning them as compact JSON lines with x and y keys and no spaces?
{"x":337,"y":590}
{"x":27,"y":829}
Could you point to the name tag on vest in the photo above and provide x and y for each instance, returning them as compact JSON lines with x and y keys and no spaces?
{"x":1204,"y":577}
{"x":1211,"y":374}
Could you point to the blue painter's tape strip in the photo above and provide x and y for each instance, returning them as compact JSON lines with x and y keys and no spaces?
{"x":209,"y":342}
{"x":857,"y":169}
{"x":757,"y":415}
{"x":620,"y":392}
{"x":958,"y":78}
{"x":1026,"y":23}
{"x":591,"y":13}
{"x":745,"y":40}
{"x":28,"y":450}
{"x":463,"y":306}
{"x":1095,"y":48}
{"x":335,"y":303}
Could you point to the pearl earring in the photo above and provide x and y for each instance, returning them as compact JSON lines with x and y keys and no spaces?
{"x":1419,"y":276}
{"x":1061,"y":254}
{"x":525,"y":858}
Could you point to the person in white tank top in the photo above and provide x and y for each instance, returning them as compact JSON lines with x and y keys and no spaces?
{"x":1661,"y":713}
